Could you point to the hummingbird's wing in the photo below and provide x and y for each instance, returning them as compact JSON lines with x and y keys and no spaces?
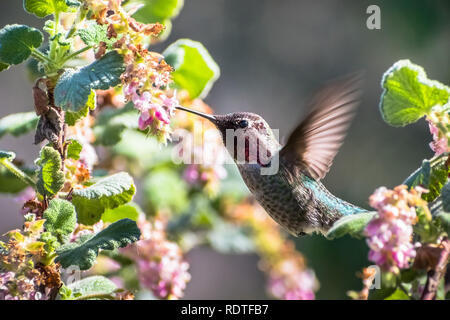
{"x":314,"y":143}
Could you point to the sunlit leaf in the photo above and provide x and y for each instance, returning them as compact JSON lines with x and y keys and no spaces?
{"x":195,"y":69}
{"x":94,"y":285}
{"x":107,"y":193}
{"x":60,"y":219}
{"x":408,"y":94}
{"x":50,"y":176}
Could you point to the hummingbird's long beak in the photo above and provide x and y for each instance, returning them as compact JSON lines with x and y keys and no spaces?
{"x":210,"y":117}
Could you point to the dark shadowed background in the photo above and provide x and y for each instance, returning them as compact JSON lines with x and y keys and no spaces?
{"x":273,"y":54}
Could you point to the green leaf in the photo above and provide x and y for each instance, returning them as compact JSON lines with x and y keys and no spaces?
{"x":50,"y":176}
{"x":8,"y":155}
{"x":17,"y":124}
{"x":43,"y":8}
{"x":195,"y":69}
{"x":398,"y":295}
{"x":17,"y":41}
{"x":10,"y":183}
{"x":84,"y":252}
{"x":107,"y":193}
{"x":60,"y":219}
{"x":446,"y":197}
{"x":94,"y":33}
{"x":74,"y":86}
{"x":130,"y":211}
{"x":165,"y":190}
{"x":352,"y":225}
{"x":158,"y":10}
{"x":73,"y":149}
{"x":72,"y":117}
{"x":432,"y":175}
{"x":408,"y":95}
{"x":94,"y":285}
{"x":3,"y":66}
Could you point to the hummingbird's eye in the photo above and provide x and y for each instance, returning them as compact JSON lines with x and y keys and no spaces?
{"x":243,"y":124}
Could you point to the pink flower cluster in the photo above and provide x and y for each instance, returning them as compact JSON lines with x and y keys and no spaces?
{"x":13,"y":287}
{"x":160,"y":264}
{"x":288,"y":282}
{"x":155,"y":110}
{"x":389,"y":235}
{"x":439,"y":144}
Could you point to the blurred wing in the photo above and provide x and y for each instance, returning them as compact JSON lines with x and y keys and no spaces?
{"x":315,"y":142}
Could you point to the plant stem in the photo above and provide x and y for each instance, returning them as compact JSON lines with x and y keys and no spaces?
{"x":76,"y":53}
{"x":38,"y":55}
{"x":434,"y":276}
{"x":17,"y":172}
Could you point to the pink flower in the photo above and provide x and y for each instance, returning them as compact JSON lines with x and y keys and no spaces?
{"x":293,"y":285}
{"x":191,"y":174}
{"x":389,"y":235}
{"x":439,"y":144}
{"x":160,"y":264}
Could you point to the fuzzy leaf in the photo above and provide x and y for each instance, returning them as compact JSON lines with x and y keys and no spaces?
{"x":408,"y":95}
{"x":129,"y":210}
{"x":72,"y":117}
{"x":43,"y":8}
{"x":60,"y":219}
{"x":74,"y":86}
{"x":50,"y":176}
{"x":73,"y":149}
{"x":195,"y":69}
{"x":432,"y":175}
{"x":352,"y":225}
{"x":94,"y":34}
{"x":17,"y":41}
{"x":94,"y":285}
{"x":84,"y":252}
{"x":158,"y":10}
{"x":107,"y":193}
{"x":17,"y":124}
{"x":9,"y":183}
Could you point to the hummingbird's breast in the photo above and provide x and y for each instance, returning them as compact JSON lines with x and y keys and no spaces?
{"x":300,"y":205}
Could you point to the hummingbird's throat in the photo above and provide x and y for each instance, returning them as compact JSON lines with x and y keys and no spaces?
{"x":251,"y":152}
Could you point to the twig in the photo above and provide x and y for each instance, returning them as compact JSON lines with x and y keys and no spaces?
{"x":434,"y":276}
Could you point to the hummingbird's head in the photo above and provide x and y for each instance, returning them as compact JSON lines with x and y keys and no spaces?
{"x":247,"y":136}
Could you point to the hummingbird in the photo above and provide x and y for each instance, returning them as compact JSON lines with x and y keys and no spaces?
{"x":294,"y":195}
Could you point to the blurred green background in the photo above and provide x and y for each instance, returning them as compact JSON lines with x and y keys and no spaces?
{"x":273,"y":55}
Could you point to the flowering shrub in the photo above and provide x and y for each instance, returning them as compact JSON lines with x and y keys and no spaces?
{"x":104,"y":116}
{"x":408,"y":233}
